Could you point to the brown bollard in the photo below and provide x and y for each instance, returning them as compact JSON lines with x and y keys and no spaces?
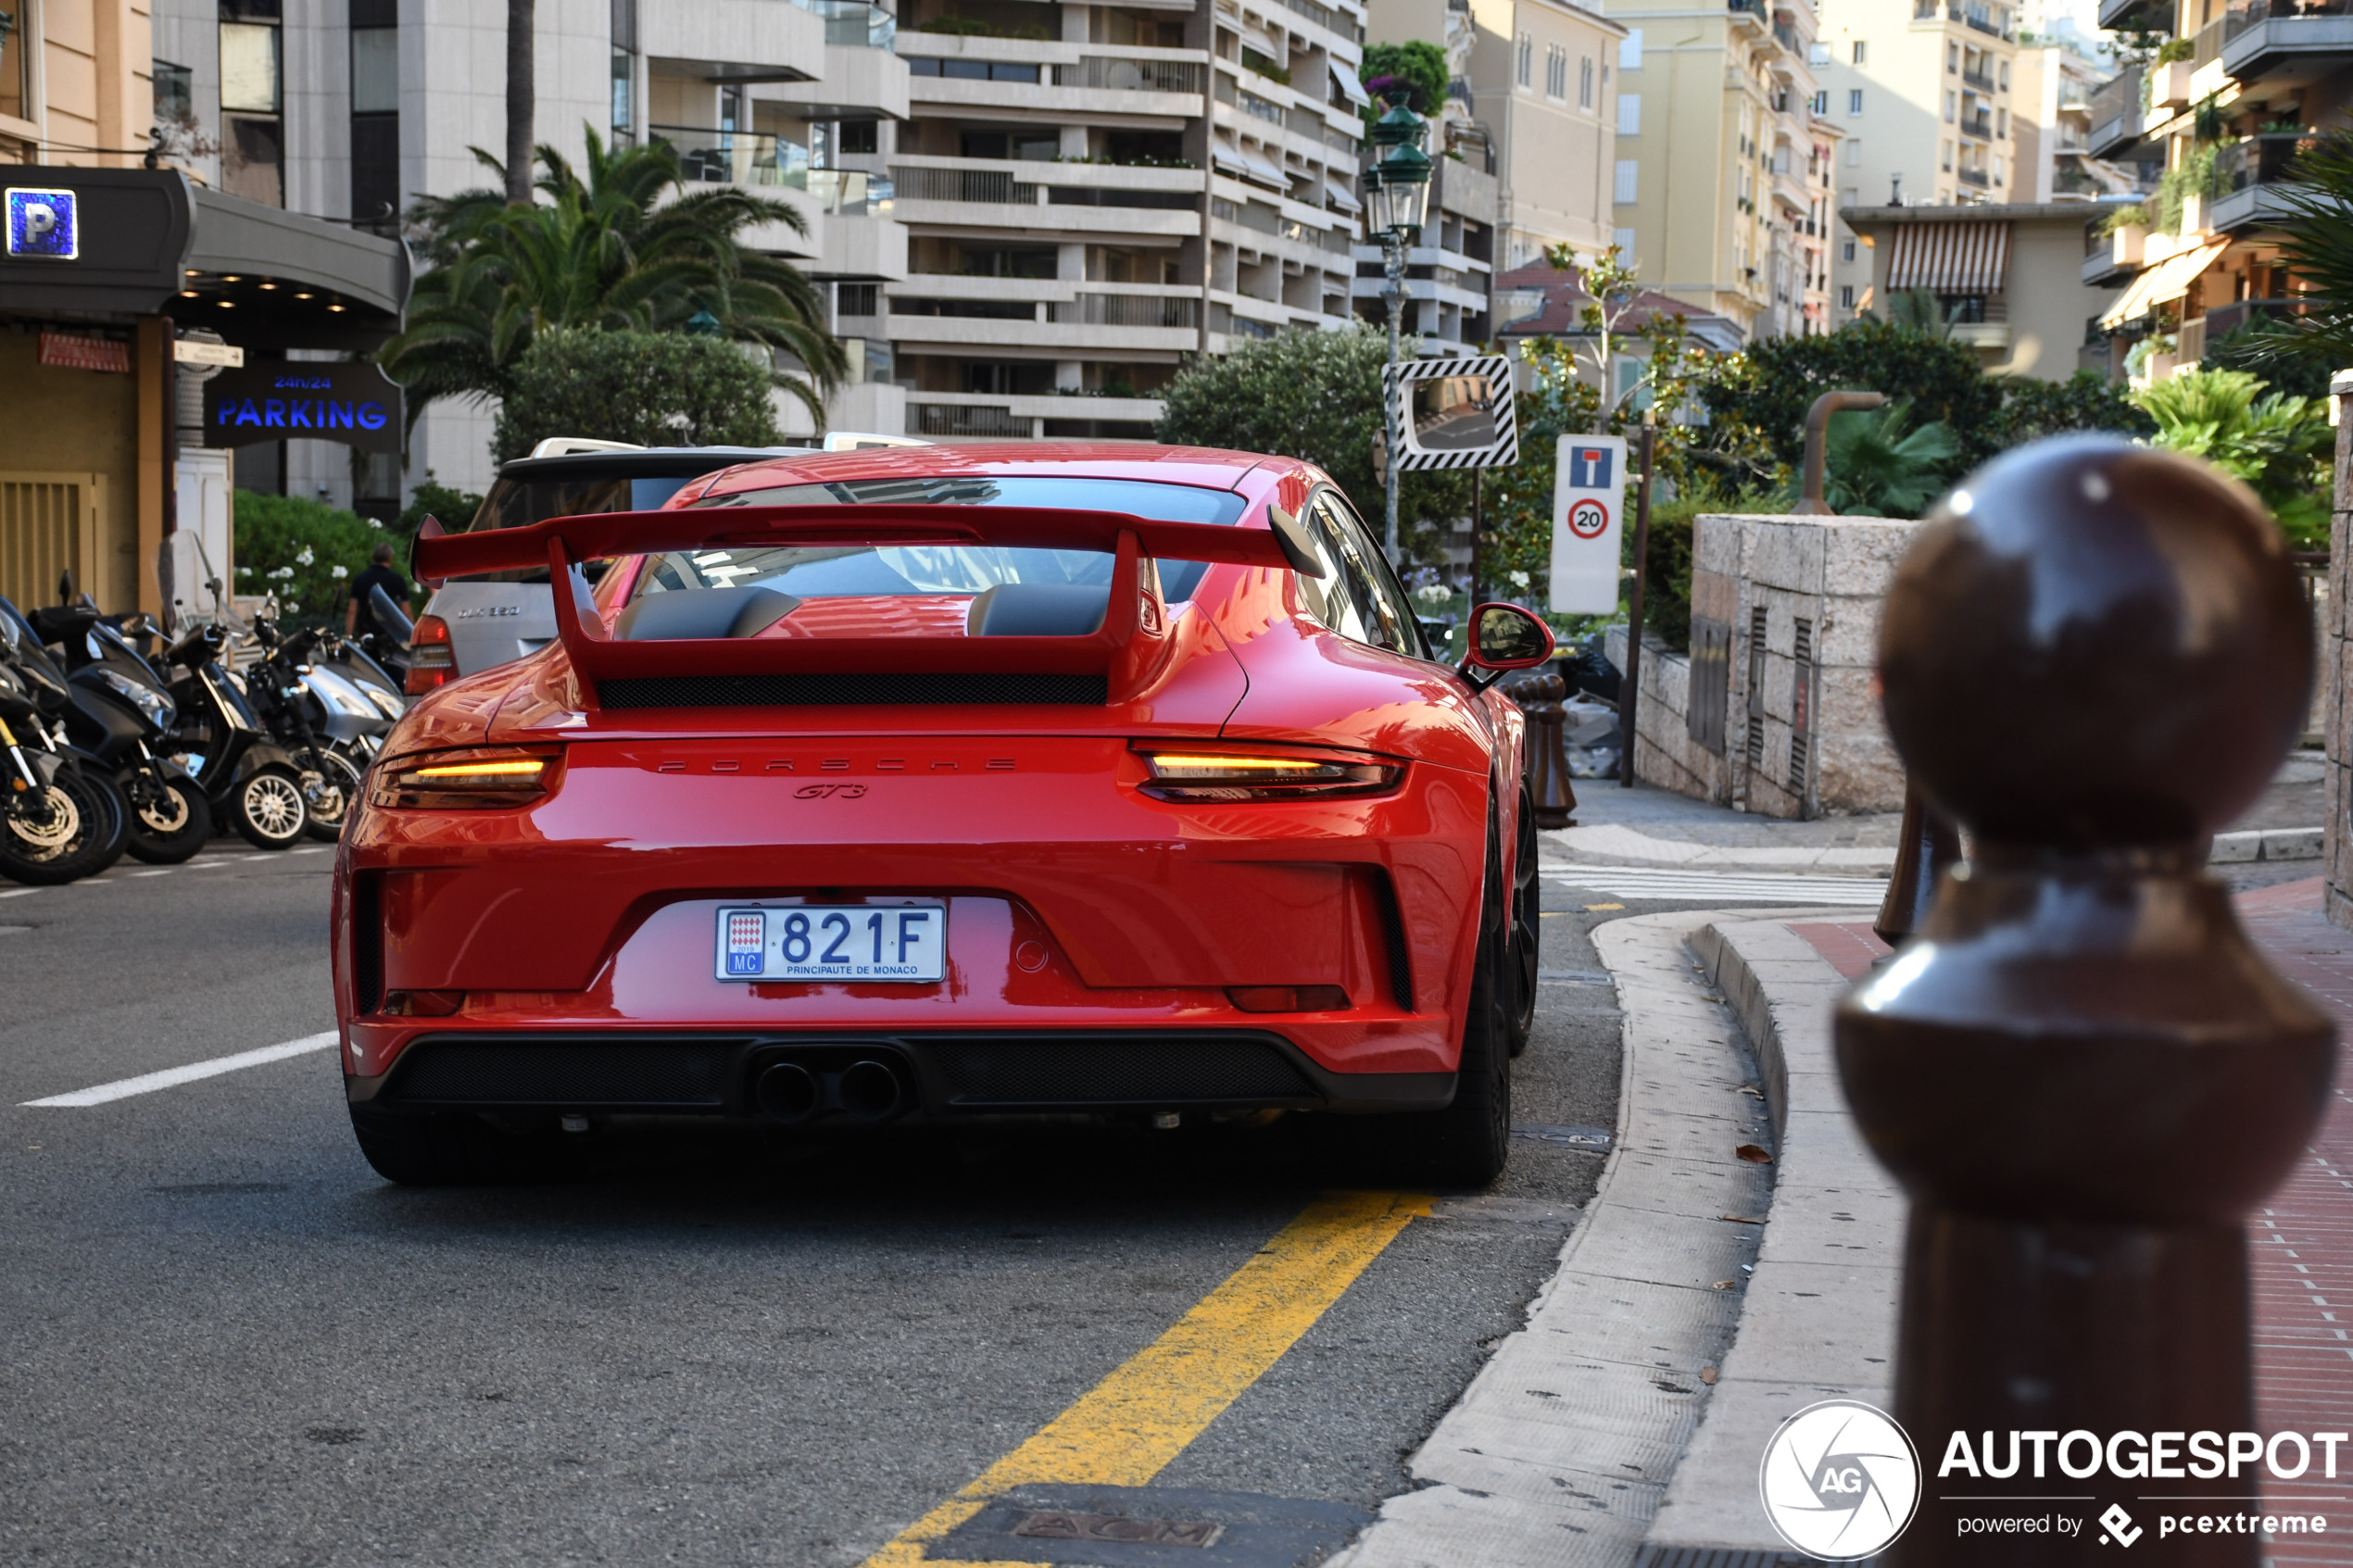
{"x":1926,"y":848}
{"x":2081,"y":1070}
{"x":1555,"y":797}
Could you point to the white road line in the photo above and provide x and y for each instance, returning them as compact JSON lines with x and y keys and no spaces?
{"x":1766,"y":887}
{"x":171,"y":1077}
{"x":166,"y":870}
{"x":20,"y":893}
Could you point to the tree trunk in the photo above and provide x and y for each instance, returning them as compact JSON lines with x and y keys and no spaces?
{"x":521,"y":105}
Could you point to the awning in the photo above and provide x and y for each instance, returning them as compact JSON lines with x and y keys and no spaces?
{"x":2169,"y":280}
{"x":1341,"y":197}
{"x":1344,"y":76}
{"x":1222,"y":155}
{"x":1949,"y":257}
{"x":1263,"y":168}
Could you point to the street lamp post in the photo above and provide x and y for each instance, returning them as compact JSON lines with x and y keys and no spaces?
{"x":1396,"y":201}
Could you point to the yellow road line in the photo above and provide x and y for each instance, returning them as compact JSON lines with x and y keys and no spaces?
{"x":1125,"y":1429}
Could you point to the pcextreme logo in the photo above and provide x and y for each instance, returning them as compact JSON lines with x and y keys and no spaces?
{"x":1840,"y":1480}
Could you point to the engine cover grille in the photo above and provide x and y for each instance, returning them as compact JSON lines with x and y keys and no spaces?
{"x":824,"y":690}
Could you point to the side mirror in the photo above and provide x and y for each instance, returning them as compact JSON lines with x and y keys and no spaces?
{"x":1505,"y":636}
{"x":429,"y":529}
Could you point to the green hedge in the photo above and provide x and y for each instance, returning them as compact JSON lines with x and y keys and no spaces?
{"x":304,"y":551}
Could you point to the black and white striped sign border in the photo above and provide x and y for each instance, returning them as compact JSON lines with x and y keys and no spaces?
{"x":1497,"y":368}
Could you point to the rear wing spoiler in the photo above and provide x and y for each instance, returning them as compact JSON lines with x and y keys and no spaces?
{"x":1132,"y":637}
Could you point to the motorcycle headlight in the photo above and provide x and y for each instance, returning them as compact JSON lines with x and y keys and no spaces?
{"x":156,"y":707}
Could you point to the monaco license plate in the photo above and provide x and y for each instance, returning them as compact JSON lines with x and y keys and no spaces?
{"x":794,"y":942}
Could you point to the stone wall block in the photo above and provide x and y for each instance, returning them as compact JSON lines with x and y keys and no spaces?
{"x":1859,"y":556}
{"x":1847,"y":635}
{"x":1717,"y":542}
{"x":1714,"y":595}
{"x":1860,"y":773}
{"x":1787,"y":556}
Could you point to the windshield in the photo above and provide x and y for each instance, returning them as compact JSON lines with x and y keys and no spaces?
{"x":819,"y":572}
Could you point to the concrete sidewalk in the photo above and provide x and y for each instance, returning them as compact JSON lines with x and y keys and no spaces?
{"x":1697,"y":1305}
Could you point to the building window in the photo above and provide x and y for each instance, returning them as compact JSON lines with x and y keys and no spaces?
{"x":1555,"y":73}
{"x":1948,"y":157}
{"x":1820,"y":106}
{"x":175,"y":96}
{"x":1846,"y":250}
{"x":1624,"y":240}
{"x":1629,"y":114}
{"x":1950,"y":107}
{"x":1585,"y":81}
{"x":1846,"y":296}
{"x":1997,"y":169}
{"x":624,"y":72}
{"x":1854,"y":101}
{"x":1630,"y":50}
{"x":16,"y":81}
{"x":861,"y":136}
{"x":2001,"y":125}
{"x":1952,"y":60}
{"x":375,"y":114}
{"x":1818,"y":54}
{"x":1526,"y":70}
{"x":253,"y":153}
{"x":857,"y":300}
{"x":1861,"y":53}
{"x":1853,"y":153}
{"x":1629,"y":176}
{"x":2003,"y":78}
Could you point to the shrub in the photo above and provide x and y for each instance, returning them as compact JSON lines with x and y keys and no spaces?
{"x":451,"y":508}
{"x":657,"y":389}
{"x":302,"y":550}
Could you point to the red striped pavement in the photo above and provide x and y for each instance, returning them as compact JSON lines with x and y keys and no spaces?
{"x":2300,"y":1243}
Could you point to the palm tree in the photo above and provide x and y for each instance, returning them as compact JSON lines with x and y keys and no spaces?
{"x":605,"y":252}
{"x":1873,"y":468}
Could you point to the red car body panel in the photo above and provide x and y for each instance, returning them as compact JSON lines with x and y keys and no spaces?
{"x":1076,"y":902}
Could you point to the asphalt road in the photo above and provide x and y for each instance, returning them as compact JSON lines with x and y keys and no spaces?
{"x":227,"y":1340}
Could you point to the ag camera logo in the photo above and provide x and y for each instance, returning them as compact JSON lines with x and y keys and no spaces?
{"x":1840,"y":1480}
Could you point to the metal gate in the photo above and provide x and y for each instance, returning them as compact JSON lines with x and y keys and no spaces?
{"x":49,"y":523}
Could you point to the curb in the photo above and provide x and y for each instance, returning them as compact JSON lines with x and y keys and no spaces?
{"x":1819,"y":1318}
{"x":2265,"y":844}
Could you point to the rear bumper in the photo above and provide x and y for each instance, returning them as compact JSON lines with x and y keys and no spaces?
{"x":948,"y":1074}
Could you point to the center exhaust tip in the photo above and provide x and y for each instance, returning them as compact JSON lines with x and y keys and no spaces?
{"x":869,"y":1090}
{"x":787,"y":1092}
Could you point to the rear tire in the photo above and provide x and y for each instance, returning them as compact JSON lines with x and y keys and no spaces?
{"x":1467,"y":1144}
{"x":265,"y":807}
{"x":328,"y":798}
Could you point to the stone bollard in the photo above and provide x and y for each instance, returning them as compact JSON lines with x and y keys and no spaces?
{"x":2082,"y":1074}
{"x":1539,"y":698}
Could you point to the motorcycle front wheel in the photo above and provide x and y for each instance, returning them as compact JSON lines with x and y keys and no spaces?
{"x":72,"y":830}
{"x":170,"y":820}
{"x":330,"y":787}
{"x":267,"y":808}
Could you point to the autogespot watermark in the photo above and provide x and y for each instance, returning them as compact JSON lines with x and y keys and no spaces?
{"x":1840,"y":1480}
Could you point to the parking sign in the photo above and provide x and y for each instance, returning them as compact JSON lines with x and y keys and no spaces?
{"x":1589,"y":502}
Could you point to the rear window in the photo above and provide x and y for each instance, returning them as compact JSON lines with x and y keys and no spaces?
{"x":838,"y":571}
{"x":518,"y":503}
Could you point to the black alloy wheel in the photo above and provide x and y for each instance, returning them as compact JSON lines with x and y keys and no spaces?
{"x":72,"y":829}
{"x":171,"y":820}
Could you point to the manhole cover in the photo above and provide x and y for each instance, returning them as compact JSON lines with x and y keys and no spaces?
{"x":1055,"y":1524}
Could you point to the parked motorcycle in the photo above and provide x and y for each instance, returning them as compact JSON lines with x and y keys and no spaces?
{"x":252,"y":781}
{"x":327,"y":721}
{"x":121,"y":712}
{"x":60,"y":817}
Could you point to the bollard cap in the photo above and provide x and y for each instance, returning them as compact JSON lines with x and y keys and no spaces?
{"x":2095,"y":644}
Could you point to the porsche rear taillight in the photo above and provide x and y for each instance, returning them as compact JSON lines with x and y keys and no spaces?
{"x":432,"y":660}
{"x":475,"y":779}
{"x":1202,"y":774}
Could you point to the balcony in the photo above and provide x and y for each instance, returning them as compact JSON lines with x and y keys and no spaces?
{"x":756,"y":159}
{"x":1007,"y":73}
{"x":1081,"y":198}
{"x":853,"y":24}
{"x":1975,"y":177}
{"x":1754,"y":7}
{"x":2244,"y":312}
{"x":974,"y":416}
{"x":2248,"y":175}
{"x":2267,"y":37}
{"x":1980,"y":80}
{"x":1979,"y":125}
{"x":2117,"y":121}
{"x":2112,"y":258}
{"x":2136,"y":15}
{"x":737,"y":40}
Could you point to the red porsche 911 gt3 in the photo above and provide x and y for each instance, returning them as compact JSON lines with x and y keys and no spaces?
{"x":931,"y":784}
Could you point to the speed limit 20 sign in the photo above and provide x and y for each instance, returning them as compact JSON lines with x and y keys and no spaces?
{"x":1588,"y":495}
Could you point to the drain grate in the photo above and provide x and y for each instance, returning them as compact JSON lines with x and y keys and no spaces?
{"x":1055,"y":1524}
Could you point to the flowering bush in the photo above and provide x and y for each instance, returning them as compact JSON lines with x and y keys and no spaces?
{"x":302,"y":550}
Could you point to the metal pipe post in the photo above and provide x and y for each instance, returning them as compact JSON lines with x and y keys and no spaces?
{"x":1393,"y":294}
{"x":1629,"y":685}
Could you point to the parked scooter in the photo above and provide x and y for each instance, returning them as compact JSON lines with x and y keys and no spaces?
{"x":251,"y":780}
{"x":326,"y":721}
{"x":122,"y":713}
{"x":60,"y":820}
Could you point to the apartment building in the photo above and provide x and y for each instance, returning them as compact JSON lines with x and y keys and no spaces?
{"x":350,"y":110}
{"x":1927,"y":93}
{"x":121,"y":286}
{"x":2010,"y":272}
{"x":1092,"y":192}
{"x":1726,"y":149}
{"x":2262,"y":82}
{"x":2051,"y":101}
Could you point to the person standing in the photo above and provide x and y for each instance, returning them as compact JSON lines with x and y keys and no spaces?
{"x":359,"y":616}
